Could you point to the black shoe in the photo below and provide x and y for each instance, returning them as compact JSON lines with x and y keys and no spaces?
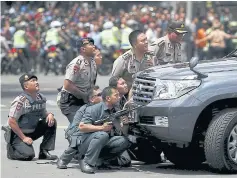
{"x":46,"y":155}
{"x":86,"y":168}
{"x":61,"y":164}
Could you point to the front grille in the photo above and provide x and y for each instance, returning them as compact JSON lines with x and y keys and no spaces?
{"x":147,"y":120}
{"x":143,"y":90}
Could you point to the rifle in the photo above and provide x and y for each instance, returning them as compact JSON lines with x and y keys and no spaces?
{"x":109,"y":119}
{"x":112,"y":118}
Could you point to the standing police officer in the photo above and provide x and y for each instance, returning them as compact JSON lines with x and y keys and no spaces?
{"x":28,"y":121}
{"x":134,"y":60}
{"x":79,"y":80}
{"x":168,"y":48}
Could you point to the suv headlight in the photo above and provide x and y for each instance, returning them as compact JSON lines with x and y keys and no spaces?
{"x":171,"y":89}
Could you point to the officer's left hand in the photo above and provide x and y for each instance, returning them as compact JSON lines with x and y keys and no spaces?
{"x":50,"y":120}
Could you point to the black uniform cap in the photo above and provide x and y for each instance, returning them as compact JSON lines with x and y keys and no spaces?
{"x":26,"y":77}
{"x":177,"y":26}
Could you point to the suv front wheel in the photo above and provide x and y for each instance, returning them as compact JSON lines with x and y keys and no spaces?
{"x":221,"y":141}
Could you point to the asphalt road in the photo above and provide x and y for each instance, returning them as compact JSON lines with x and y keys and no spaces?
{"x":18,"y":169}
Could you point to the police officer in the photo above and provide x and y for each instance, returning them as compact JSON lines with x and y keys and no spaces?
{"x":168,"y":48}
{"x":29,"y":120}
{"x":79,"y":80}
{"x":20,"y":42}
{"x":96,"y":144}
{"x":134,"y":60}
{"x":108,"y":36}
{"x":73,"y":131}
{"x":121,"y":85}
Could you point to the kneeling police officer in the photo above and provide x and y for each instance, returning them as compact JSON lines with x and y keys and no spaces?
{"x":28,"y":120}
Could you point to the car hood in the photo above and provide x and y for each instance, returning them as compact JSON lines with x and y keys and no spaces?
{"x":181,"y":71}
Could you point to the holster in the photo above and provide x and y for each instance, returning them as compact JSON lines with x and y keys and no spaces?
{"x":67,"y":135}
{"x":74,"y":138}
{"x":71,"y":99}
{"x":7,"y":134}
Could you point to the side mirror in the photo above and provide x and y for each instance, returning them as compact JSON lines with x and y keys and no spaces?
{"x":193,"y":62}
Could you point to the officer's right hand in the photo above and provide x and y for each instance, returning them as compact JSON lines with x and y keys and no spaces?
{"x":107,"y":127}
{"x":28,"y":140}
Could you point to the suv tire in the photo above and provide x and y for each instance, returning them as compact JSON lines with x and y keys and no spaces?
{"x":221,"y":141}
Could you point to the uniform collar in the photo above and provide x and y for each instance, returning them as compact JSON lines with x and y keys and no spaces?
{"x":134,"y":57}
{"x":168,"y":40}
{"x":30,"y":97}
{"x":106,"y":107}
{"x":86,"y":62}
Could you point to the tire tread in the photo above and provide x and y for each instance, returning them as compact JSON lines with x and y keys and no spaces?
{"x":214,"y":139}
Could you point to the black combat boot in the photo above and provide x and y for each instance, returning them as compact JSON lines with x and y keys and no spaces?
{"x":61,"y":164}
{"x":86,"y":168}
{"x":43,"y":154}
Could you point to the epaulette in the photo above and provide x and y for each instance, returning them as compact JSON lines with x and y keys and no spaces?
{"x":38,"y":96}
{"x":161,"y":42}
{"x":22,"y":98}
{"x":126,"y":56}
{"x":41,"y":96}
{"x":153,"y":43}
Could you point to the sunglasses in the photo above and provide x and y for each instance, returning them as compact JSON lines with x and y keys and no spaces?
{"x":87,"y":41}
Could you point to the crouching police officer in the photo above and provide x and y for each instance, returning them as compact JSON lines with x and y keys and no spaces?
{"x":74,"y":133}
{"x":28,"y":120}
{"x":97,"y":144}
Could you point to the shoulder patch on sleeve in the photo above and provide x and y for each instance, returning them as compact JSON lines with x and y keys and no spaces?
{"x":19,"y":106}
{"x":76,"y":68}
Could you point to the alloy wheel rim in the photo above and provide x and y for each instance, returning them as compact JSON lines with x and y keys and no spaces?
{"x":232,"y":144}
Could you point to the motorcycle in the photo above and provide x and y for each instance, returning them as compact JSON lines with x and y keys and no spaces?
{"x":109,"y":55}
{"x":52,"y":62}
{"x":13,"y":61}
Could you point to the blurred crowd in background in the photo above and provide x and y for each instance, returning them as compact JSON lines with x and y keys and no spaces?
{"x":108,"y":26}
